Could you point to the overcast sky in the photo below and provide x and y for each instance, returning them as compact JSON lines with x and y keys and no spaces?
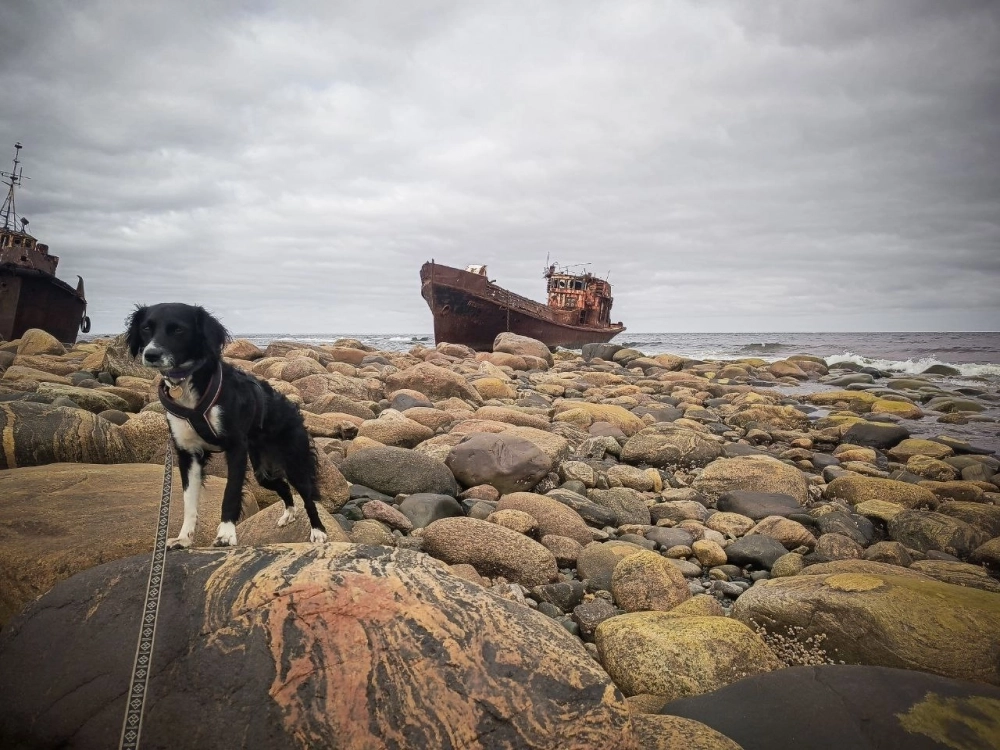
{"x":734,"y":166}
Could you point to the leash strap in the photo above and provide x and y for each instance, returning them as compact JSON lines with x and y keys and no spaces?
{"x":136,"y":697}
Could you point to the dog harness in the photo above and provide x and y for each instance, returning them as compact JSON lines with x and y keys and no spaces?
{"x":198,"y":416}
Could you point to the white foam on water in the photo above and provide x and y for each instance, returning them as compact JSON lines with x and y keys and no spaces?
{"x":915,"y":366}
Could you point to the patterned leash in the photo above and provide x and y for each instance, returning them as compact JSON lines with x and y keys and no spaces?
{"x":136,"y":697}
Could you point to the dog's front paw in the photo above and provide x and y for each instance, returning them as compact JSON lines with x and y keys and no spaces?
{"x":180,"y":542}
{"x":226,"y":535}
{"x":287,"y":517}
{"x":317,"y":536}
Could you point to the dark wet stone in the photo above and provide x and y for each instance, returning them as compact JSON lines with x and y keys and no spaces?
{"x":395,"y":471}
{"x":404,"y":401}
{"x":575,"y":486}
{"x":856,"y":377}
{"x":961,"y":446}
{"x":859,"y":707}
{"x":550,"y":610}
{"x":564,"y":595}
{"x":659,"y":413}
{"x":757,"y":505}
{"x":481,"y":509}
{"x":591,"y":614}
{"x":670,"y":537}
{"x":359,"y":491}
{"x":424,"y":508}
{"x":875,"y":435}
{"x":114,"y":416}
{"x":835,"y":472}
{"x":857,"y":528}
{"x":640,"y":540}
{"x":822,"y":460}
{"x":756,"y":550}
{"x":600,"y":351}
{"x":941,"y":370}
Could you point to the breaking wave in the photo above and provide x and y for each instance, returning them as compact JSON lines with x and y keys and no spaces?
{"x":916,"y":366}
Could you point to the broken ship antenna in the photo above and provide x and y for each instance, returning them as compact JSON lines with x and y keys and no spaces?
{"x":12,"y":179}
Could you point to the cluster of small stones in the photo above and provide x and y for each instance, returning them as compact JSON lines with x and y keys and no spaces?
{"x":639,"y":454}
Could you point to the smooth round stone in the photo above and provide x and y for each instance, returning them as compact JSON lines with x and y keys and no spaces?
{"x":688,"y":568}
{"x":678,"y":552}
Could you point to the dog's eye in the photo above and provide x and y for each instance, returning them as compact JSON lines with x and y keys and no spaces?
{"x":147,"y":328}
{"x":174,"y":330}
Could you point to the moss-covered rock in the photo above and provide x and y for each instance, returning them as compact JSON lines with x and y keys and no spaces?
{"x":654,"y":652}
{"x":924,"y":530}
{"x":885,"y":620}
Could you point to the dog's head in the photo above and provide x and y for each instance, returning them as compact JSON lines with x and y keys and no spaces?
{"x":175,"y":338}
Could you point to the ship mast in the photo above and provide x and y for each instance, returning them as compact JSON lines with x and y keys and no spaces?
{"x":12,"y":179}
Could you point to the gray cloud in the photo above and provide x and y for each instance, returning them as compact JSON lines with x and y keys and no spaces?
{"x":735,"y":166}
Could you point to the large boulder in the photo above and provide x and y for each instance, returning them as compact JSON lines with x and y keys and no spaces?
{"x":37,"y":341}
{"x":512,"y":343}
{"x":671,"y":656}
{"x":505,"y":461}
{"x":394,"y":471}
{"x":59,"y":519}
{"x":752,"y":473}
{"x":36,"y":434}
{"x":845,"y":706}
{"x":884,"y":620}
{"x":437,"y":383}
{"x":491,"y":549}
{"x":293,"y":646}
{"x":667,"y":445}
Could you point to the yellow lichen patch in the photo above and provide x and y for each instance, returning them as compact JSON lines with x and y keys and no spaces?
{"x":971,"y":723}
{"x":853,"y":582}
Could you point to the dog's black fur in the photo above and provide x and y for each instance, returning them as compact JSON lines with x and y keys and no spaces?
{"x":254,"y":421}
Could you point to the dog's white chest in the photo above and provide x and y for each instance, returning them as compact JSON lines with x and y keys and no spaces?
{"x":189,"y":440}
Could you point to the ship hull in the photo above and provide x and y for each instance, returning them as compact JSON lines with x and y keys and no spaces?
{"x":469,"y":310}
{"x":33,"y":299}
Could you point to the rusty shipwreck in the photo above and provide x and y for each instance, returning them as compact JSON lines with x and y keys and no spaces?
{"x":30,"y":294}
{"x":470,"y":309}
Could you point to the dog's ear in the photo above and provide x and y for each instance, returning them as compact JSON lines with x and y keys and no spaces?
{"x":212,"y":332}
{"x":132,"y":325}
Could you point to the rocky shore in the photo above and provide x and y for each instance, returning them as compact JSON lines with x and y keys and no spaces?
{"x":606,"y":550}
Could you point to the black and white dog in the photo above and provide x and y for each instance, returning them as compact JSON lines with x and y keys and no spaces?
{"x":213,"y":407}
